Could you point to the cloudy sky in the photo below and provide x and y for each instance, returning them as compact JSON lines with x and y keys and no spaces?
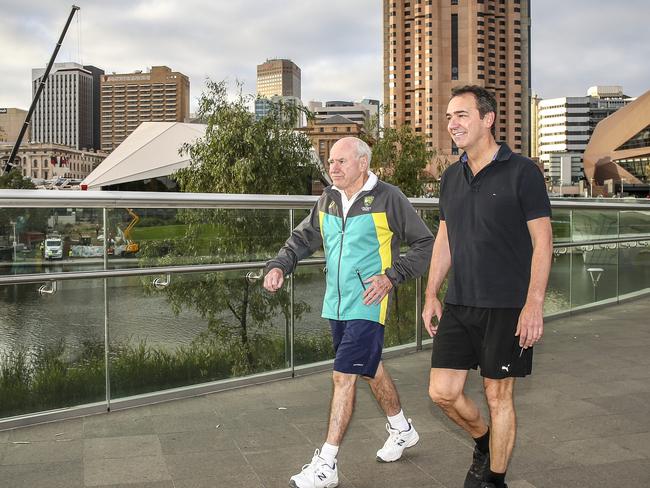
{"x":336,"y":43}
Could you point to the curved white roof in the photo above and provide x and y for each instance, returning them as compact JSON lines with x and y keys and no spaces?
{"x":150,"y":151}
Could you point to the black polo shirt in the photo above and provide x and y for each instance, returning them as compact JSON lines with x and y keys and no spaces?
{"x":486,"y":217}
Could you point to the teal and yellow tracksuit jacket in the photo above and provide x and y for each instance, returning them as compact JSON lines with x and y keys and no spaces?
{"x":363,"y":244}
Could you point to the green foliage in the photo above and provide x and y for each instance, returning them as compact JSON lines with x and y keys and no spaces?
{"x":15,"y":180}
{"x":399,"y":156}
{"x":242,"y":155}
{"x":51,"y":377}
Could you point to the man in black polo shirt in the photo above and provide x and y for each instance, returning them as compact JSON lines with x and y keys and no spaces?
{"x":495,"y":239}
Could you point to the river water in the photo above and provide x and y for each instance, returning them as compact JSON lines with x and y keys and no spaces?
{"x":75,"y":313}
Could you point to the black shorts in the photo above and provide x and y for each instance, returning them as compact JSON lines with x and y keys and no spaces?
{"x":469,"y":337}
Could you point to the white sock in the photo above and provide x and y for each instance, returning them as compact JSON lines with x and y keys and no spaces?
{"x":399,"y":422}
{"x":328,"y":452}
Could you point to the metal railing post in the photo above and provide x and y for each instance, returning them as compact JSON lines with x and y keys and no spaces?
{"x":107,"y":363}
{"x":291,"y":336}
{"x":418,"y":306}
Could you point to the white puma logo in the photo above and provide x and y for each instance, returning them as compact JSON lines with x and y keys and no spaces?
{"x":506,"y":368}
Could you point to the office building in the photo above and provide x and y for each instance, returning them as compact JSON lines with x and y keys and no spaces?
{"x":432,"y":46}
{"x":158,"y":95}
{"x":278,"y":77}
{"x":11,"y":121}
{"x":358,"y":112}
{"x":65,"y":112}
{"x":565,"y":125}
{"x":323,"y":133}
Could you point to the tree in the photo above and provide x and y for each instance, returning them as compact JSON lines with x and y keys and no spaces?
{"x":15,"y":180}
{"x":27,"y":219}
{"x":237,"y":155}
{"x":400,"y":156}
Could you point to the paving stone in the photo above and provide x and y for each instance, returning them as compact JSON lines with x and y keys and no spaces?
{"x":52,"y":475}
{"x":43,"y":452}
{"x":122,"y":447}
{"x":98,"y":472}
{"x":205,"y":441}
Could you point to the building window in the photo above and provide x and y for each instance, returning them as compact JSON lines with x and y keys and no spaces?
{"x":454,"y":46}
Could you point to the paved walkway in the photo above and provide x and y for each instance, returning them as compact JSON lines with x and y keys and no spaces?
{"x":584,"y":421}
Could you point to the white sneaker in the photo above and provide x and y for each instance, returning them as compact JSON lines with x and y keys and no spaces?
{"x":396,"y":443}
{"x":317,"y":474}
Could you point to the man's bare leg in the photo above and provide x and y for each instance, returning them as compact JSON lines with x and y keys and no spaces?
{"x":383,"y":388}
{"x":499,"y":396}
{"x":446,"y":390}
{"x":341,"y":407}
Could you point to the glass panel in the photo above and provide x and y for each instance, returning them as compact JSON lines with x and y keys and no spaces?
{"x":558,"y":291}
{"x":45,"y":240}
{"x":312,"y":336}
{"x":400,"y":324}
{"x":167,"y":237}
{"x":634,"y":223}
{"x":51,"y":347}
{"x":432,"y":219}
{"x":561,"y":223}
{"x":634,"y":268}
{"x":594,"y":224}
{"x":594,"y":276}
{"x":201,"y":327}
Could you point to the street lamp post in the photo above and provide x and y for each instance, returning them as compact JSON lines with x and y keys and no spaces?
{"x":14,"y":227}
{"x":595,"y":274}
{"x":622,"y":187}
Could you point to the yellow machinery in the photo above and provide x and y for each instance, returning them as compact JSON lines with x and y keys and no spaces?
{"x":131,"y":247}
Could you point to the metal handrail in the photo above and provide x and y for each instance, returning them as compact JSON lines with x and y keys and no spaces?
{"x":122,"y":199}
{"x":160,"y":270}
{"x":208,"y":268}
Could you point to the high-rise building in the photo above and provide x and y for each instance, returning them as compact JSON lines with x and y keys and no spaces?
{"x":11,"y":121}
{"x":65,"y":112}
{"x":278,"y":77}
{"x":432,"y":46}
{"x":158,"y":95}
{"x":565,"y":125}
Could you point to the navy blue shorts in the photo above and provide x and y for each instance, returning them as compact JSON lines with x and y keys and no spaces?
{"x":358,"y":345}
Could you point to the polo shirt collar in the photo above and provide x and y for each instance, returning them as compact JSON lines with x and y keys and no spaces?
{"x":503,"y":154}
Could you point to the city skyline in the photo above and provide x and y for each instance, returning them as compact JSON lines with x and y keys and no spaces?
{"x":338,"y":46}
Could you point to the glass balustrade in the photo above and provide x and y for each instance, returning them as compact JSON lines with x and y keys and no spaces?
{"x":204,"y":318}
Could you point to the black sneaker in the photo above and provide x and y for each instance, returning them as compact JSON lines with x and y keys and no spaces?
{"x":476,"y":473}
{"x":486,"y":484}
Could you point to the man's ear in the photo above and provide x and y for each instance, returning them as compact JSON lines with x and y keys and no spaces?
{"x":489,"y":119}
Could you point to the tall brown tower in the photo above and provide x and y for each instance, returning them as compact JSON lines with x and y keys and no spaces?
{"x":431,"y":46}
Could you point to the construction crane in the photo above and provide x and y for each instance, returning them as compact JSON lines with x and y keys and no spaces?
{"x":9,"y":164}
{"x":131,"y":246}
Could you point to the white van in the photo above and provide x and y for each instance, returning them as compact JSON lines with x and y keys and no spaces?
{"x":53,"y":248}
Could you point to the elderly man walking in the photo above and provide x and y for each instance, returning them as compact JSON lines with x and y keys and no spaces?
{"x":360,"y":222}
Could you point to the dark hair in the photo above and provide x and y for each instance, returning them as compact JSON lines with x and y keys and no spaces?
{"x":485,"y":101}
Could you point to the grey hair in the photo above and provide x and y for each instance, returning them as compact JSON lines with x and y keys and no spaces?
{"x":363,"y":149}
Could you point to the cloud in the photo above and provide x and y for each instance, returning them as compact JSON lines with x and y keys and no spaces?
{"x":336,"y":43}
{"x":582,"y":43}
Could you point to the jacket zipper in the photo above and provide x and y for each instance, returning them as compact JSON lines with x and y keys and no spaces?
{"x":363,"y":285}
{"x":338,"y":273}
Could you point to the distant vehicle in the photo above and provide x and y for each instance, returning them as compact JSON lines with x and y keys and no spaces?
{"x":53,"y":248}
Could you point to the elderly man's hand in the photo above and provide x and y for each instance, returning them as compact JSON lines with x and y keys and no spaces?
{"x":378,"y":288}
{"x":274,"y":280}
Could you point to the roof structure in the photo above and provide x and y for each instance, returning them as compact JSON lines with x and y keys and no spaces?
{"x":150,"y":151}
